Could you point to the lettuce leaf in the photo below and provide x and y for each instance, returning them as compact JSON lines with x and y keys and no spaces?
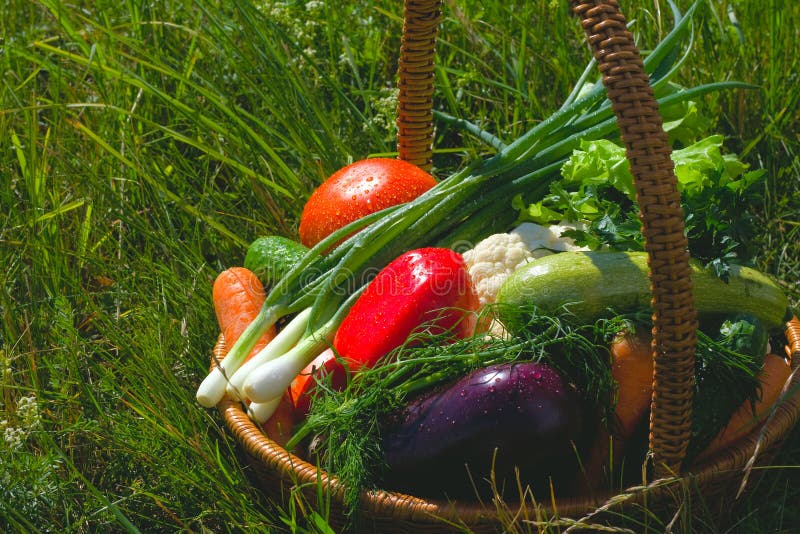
{"x":597,"y":188}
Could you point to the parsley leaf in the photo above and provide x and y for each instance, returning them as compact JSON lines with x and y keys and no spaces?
{"x":597,"y":189}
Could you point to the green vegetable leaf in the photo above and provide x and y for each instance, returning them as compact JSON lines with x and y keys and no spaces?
{"x":599,"y":162}
{"x":536,"y":212}
{"x":683,"y":121}
{"x":727,"y":364}
{"x":597,"y":189}
{"x":697,"y":165}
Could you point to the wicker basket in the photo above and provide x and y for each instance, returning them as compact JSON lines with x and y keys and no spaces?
{"x":279,"y":473}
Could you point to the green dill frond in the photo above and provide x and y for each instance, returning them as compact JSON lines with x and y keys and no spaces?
{"x":344,"y":426}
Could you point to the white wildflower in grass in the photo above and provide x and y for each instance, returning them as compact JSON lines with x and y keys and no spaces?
{"x":28,"y":412}
{"x":384,"y":111}
{"x":28,"y":420}
{"x":12,"y":436}
{"x":180,"y":370}
{"x":303,"y":25}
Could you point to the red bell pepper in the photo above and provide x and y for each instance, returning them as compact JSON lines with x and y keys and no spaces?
{"x":429,"y":286}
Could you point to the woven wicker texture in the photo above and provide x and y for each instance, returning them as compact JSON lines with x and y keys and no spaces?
{"x":417,"y":50}
{"x":279,"y":473}
{"x":674,"y":317}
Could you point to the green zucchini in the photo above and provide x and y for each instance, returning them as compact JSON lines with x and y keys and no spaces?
{"x":592,"y":285}
{"x":271,"y":257}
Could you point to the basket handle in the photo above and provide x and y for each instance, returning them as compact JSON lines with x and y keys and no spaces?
{"x":648,"y":151}
{"x":415,"y":82}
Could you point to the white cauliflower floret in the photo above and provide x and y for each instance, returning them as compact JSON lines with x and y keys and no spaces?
{"x":493,"y":259}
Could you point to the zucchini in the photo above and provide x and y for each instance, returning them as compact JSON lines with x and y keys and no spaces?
{"x":593,"y":285}
{"x":271,"y":257}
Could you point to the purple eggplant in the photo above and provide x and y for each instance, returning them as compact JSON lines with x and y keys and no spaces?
{"x":525,"y":411}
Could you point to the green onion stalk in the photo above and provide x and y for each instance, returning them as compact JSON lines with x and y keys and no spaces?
{"x":463,"y":208}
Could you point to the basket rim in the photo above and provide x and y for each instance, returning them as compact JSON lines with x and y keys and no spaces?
{"x":674,"y":315}
{"x":297,"y":471}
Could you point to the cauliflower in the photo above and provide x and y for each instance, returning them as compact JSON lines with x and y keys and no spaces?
{"x":493,"y":259}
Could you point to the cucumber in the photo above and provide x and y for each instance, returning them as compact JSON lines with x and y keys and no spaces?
{"x":271,"y":257}
{"x":593,"y":285}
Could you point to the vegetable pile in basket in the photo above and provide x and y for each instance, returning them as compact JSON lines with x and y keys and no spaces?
{"x":401,"y":363}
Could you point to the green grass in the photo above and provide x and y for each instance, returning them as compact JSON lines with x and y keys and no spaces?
{"x":144,"y":144}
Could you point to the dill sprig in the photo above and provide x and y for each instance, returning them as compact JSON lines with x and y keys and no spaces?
{"x":727,"y":366}
{"x":344,"y":426}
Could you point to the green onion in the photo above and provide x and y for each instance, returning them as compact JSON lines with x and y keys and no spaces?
{"x":466,"y":206}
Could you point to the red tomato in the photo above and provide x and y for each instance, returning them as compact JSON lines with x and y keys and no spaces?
{"x":357,"y":190}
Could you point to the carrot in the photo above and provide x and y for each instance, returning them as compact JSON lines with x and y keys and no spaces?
{"x":324,"y":365}
{"x":632,"y":368}
{"x":773,"y":376}
{"x":238,"y":296}
{"x":280,"y":425}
